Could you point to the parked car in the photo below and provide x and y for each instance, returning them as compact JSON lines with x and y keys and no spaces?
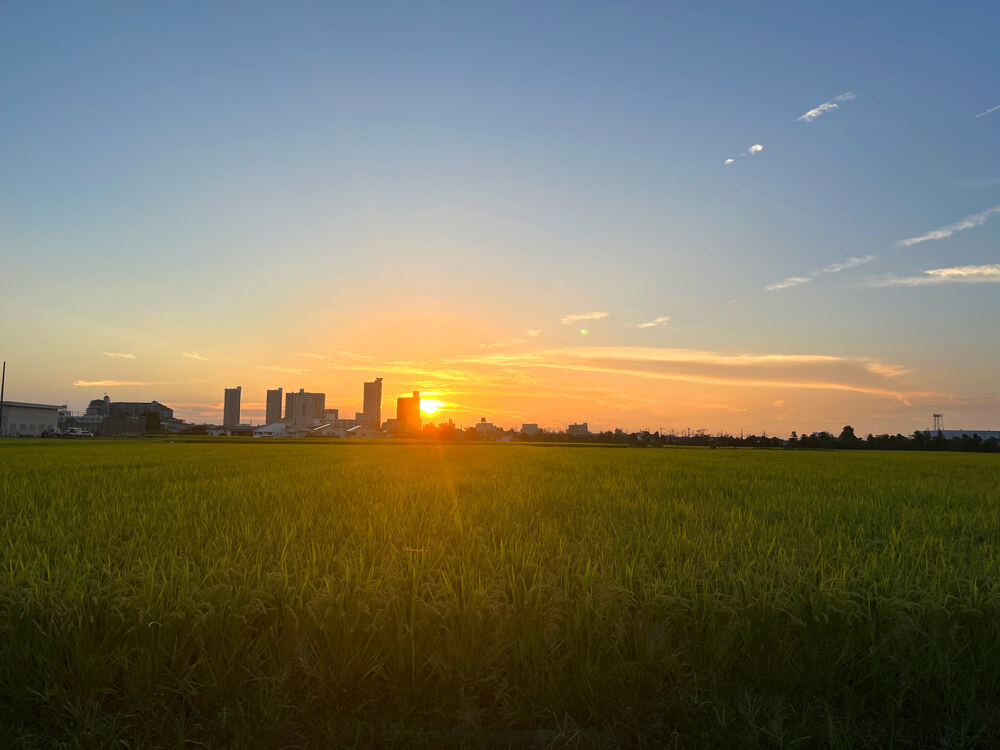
{"x":76,"y":432}
{"x":51,"y":434}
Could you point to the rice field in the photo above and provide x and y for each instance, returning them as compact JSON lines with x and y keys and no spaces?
{"x":220,"y":594}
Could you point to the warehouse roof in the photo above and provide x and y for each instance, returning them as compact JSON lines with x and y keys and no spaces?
{"x":32,"y":406}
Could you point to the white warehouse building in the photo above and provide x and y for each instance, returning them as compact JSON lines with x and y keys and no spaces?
{"x":19,"y":419}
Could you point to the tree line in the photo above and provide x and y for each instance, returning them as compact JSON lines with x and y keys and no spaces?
{"x":846,"y":440}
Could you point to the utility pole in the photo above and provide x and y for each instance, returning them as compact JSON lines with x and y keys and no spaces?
{"x":3,"y":382}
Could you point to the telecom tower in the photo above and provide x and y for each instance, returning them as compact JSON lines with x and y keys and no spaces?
{"x":938,"y":423}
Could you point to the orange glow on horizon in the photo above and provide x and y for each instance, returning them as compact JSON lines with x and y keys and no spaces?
{"x":431,"y":406}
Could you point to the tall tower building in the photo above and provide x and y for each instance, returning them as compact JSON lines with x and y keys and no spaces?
{"x":408,"y":411}
{"x":373,"y":403}
{"x":231,"y":407}
{"x":273,"y":413}
{"x":304,"y":408}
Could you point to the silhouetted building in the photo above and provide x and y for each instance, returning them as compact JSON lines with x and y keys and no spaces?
{"x":99,"y":407}
{"x":373,"y":403}
{"x":484,"y":427}
{"x":304,"y":408}
{"x":273,"y":410}
{"x":529,"y":429}
{"x":408,"y":411}
{"x":983,"y":434}
{"x":112,"y":417}
{"x":331,"y":414}
{"x":138,"y":408}
{"x":578,"y":429}
{"x":231,"y":407}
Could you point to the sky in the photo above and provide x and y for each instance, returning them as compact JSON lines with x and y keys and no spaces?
{"x":761,"y":217}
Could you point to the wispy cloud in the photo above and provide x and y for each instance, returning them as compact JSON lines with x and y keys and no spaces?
{"x":656,"y":354}
{"x":282,"y":368}
{"x":662,"y":321}
{"x":332,"y":354}
{"x":986,"y":112}
{"x":955,"y":275}
{"x":886,"y":370}
{"x":754,"y":149}
{"x":582,"y":316}
{"x":195,"y":355}
{"x":435,"y":377}
{"x":849,"y":263}
{"x":975,"y":220}
{"x":789,"y":282}
{"x":512,"y":342}
{"x":109,"y":383}
{"x":819,"y":111}
{"x":533,"y":332}
{"x":832,"y":268}
{"x":352,"y":355}
{"x":806,"y":371}
{"x":825,"y":107}
{"x":570,"y":372}
{"x":118,"y":355}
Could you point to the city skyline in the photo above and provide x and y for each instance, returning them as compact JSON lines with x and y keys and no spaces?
{"x":658,"y":220}
{"x":311,"y":410}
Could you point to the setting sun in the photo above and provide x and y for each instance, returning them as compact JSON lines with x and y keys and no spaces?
{"x":430,"y":406}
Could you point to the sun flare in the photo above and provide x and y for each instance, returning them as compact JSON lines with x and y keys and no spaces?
{"x":430,"y":406}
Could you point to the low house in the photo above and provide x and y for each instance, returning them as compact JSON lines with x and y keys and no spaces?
{"x":273,"y":430}
{"x":21,"y":419}
{"x":329,"y":429}
{"x":363,"y":431}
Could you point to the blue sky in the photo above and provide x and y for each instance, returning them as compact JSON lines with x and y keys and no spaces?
{"x":418,"y":182}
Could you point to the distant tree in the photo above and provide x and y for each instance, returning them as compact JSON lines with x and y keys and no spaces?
{"x":848,"y":439}
{"x":939,"y":442}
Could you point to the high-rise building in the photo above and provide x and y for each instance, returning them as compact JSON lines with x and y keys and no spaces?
{"x":231,"y":407}
{"x":273,"y":412}
{"x":373,"y":403}
{"x":304,"y":408}
{"x":408,"y":412}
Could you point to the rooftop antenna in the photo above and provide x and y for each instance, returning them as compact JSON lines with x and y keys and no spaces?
{"x":938,"y":422}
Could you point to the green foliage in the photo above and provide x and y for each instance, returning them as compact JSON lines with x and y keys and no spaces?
{"x":159,"y":594}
